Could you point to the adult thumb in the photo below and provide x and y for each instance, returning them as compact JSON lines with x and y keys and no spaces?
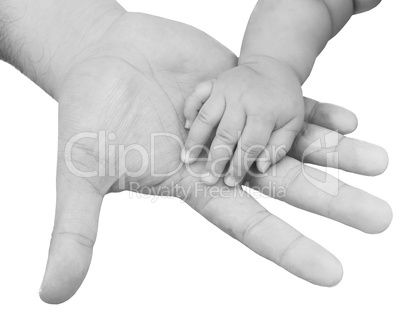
{"x":75,"y":228}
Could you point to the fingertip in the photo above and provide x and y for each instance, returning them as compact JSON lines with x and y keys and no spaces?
{"x":186,"y":111}
{"x":335,"y":117}
{"x":330,"y":270}
{"x":259,"y":165}
{"x":230,"y":181}
{"x":66,"y":269}
{"x":209,"y":179}
{"x":350,"y":124}
{"x":377,"y":160}
{"x":361,"y":210}
{"x":381,"y":216}
{"x":52,"y":296}
{"x":387,"y":215}
{"x":311,"y":262}
{"x":343,"y":120}
{"x":382,"y":161}
{"x":185,"y":157}
{"x":336,"y":273}
{"x":263,"y":166}
{"x":364,"y":158}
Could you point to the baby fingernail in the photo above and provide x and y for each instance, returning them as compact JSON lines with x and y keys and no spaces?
{"x":265,"y":167}
{"x":209,"y":179}
{"x":230,"y":181}
{"x":188,"y":124}
{"x":183,"y":155}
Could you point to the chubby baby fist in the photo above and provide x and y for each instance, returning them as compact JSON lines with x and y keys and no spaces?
{"x":256,"y":109}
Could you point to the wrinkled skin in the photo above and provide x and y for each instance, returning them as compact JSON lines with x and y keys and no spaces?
{"x":134,"y":84}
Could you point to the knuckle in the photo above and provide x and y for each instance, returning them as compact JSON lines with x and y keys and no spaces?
{"x":283,"y":255}
{"x":251,"y":148}
{"x":205,"y":117}
{"x":260,"y":120}
{"x":226,"y":136}
{"x":78,"y":237}
{"x":252,"y":224}
{"x":221,"y":152}
{"x":77,"y":230}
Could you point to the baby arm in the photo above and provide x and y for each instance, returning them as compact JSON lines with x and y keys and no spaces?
{"x":257,"y":107}
{"x":295,"y":32}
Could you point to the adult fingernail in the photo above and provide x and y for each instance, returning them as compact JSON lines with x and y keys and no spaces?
{"x":230,"y":181}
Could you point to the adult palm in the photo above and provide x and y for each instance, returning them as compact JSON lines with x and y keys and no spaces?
{"x":127,"y":91}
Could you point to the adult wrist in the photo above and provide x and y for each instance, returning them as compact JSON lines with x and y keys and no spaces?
{"x":44,"y":38}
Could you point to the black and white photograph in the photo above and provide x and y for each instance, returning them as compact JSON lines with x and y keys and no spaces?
{"x":200,"y":162}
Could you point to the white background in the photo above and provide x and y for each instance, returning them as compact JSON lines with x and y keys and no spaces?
{"x":162,"y":264}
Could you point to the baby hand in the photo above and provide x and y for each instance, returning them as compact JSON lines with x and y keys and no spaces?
{"x":257,"y":109}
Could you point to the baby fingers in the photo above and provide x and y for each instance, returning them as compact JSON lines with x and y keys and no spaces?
{"x":196,"y":100}
{"x":223,"y":145}
{"x":279,"y":145}
{"x":202,"y":128}
{"x":253,"y":141}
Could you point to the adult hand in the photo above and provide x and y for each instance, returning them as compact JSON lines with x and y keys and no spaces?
{"x":128,"y":89}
